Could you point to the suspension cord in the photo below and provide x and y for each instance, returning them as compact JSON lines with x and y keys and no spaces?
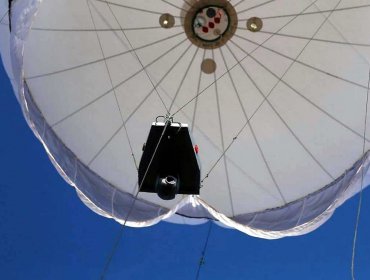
{"x":203,"y":255}
{"x":361,"y":189}
{"x":120,"y":233}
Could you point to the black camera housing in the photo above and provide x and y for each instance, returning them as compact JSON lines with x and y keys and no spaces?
{"x":169,"y":164}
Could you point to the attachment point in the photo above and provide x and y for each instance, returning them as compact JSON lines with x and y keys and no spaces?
{"x":254,"y":24}
{"x":208,"y":66}
{"x":167,"y":21}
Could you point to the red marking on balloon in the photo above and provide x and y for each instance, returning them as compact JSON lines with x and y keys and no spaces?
{"x":211,"y":25}
{"x":196,"y":149}
{"x":205,"y":29}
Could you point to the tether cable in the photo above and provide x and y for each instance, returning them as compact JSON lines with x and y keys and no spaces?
{"x":120,"y":234}
{"x":202,"y":259}
{"x":359,"y":207}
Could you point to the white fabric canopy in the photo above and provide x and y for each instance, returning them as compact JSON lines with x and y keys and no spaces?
{"x":279,"y":124}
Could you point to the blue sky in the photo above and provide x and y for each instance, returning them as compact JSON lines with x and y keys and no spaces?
{"x":47,"y":233}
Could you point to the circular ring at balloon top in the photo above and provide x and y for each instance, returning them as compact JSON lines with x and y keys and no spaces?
{"x":210,"y":24}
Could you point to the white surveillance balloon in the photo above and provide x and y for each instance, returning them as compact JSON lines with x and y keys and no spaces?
{"x":272,"y":93}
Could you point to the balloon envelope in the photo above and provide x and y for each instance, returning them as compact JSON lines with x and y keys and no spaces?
{"x":274,"y":93}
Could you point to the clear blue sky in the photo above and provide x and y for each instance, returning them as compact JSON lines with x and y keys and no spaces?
{"x":47,"y":233}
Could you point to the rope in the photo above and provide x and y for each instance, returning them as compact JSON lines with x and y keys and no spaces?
{"x":202,"y":257}
{"x":359,"y":207}
{"x":120,"y":233}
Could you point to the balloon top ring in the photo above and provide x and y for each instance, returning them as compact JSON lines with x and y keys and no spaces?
{"x":209,"y":24}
